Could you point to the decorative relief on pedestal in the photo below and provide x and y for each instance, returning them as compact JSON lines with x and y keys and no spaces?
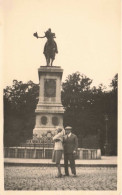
{"x":43,"y":120}
{"x":50,"y":87}
{"x":55,"y":121}
{"x":45,"y":139}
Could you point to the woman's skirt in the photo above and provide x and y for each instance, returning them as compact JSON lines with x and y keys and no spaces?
{"x":56,"y":156}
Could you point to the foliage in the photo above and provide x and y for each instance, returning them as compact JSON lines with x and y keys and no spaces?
{"x":86,"y":106}
{"x":19,"y":117}
{"x":85,"y":109}
{"x":114,"y":83}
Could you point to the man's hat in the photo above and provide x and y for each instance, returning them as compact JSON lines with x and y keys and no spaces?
{"x":68,"y":128}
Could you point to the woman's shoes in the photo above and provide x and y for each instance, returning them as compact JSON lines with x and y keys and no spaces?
{"x":58,"y":176}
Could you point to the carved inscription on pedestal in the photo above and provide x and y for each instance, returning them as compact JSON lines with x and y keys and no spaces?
{"x":50,"y":88}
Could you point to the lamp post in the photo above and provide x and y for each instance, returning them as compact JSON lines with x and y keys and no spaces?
{"x":106,"y":137}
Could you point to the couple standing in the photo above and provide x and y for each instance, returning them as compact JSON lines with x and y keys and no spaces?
{"x":65,"y":141}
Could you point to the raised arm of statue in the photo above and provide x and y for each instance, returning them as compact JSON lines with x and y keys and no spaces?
{"x":41,"y":37}
{"x":36,"y":35}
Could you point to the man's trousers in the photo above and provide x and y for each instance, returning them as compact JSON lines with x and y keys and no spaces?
{"x":69,"y":157}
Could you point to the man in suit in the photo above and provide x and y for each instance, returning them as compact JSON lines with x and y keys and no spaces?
{"x":70,"y":148}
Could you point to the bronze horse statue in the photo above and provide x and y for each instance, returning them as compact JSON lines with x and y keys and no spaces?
{"x":50,"y":48}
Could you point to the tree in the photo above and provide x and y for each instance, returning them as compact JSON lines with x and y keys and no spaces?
{"x":114,"y":83}
{"x":77,"y":99}
{"x":113,"y":126}
{"x":85,"y":109}
{"x":20,"y":102}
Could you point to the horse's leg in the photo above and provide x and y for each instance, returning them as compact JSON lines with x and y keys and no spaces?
{"x":51,"y":62}
{"x":47,"y":60}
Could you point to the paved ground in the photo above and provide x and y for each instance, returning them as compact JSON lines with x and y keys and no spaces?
{"x":104,"y":161}
{"x":43,"y":178}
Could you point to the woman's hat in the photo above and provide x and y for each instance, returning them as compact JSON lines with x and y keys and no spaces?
{"x":59,"y":129}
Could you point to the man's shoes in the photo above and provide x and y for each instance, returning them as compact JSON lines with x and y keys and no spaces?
{"x":66,"y":175}
{"x":58,"y":176}
{"x":74,"y":175}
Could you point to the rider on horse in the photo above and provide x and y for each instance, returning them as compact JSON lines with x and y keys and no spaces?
{"x":50,"y":48}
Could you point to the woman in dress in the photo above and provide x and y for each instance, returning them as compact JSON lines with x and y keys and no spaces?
{"x":58,"y":149}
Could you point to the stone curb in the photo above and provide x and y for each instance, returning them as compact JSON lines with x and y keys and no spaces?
{"x":53,"y":165}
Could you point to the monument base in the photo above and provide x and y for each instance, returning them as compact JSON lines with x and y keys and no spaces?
{"x":49,"y":110}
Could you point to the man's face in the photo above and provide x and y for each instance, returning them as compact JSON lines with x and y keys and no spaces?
{"x":67,"y":131}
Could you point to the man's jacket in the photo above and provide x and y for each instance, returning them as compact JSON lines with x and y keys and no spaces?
{"x":70,"y":143}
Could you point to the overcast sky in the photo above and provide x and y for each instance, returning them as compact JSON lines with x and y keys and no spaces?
{"x":87,"y":36}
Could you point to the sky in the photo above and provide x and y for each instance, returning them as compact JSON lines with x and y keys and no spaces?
{"x":87,"y":36}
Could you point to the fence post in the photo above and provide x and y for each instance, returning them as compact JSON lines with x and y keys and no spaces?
{"x":89,"y":154}
{"x":34,"y":154}
{"x":25,"y":153}
{"x":95,"y":154}
{"x":80,"y":154}
{"x":8,"y":152}
{"x":98,"y":154}
{"x":16,"y":150}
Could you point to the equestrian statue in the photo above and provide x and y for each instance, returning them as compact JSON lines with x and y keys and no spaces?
{"x":50,"y":48}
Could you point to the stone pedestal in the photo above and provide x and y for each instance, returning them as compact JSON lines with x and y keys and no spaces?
{"x":49,"y":111}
